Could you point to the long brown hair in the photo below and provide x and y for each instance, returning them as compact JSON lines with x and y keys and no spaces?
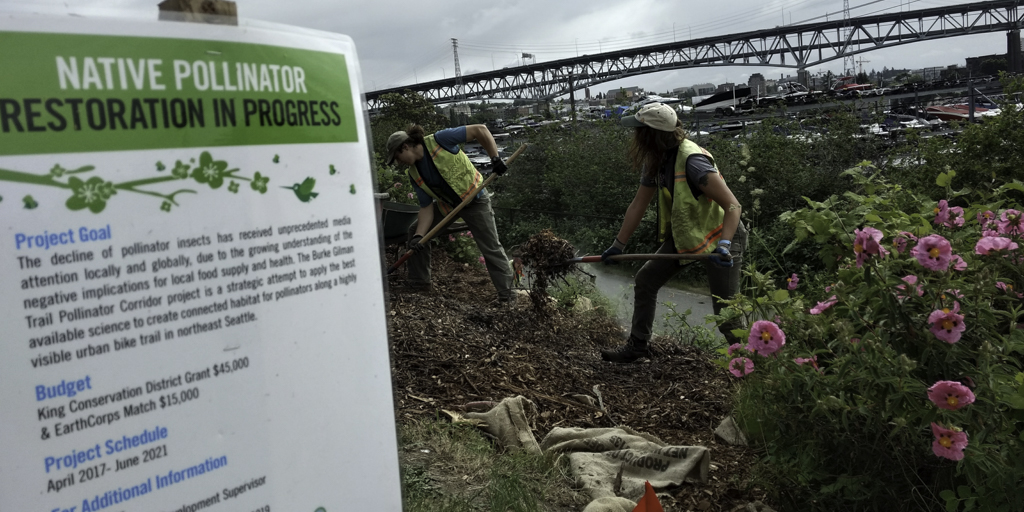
{"x":649,"y":146}
{"x":416,"y":135}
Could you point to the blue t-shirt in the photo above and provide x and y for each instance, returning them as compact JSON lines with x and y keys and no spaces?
{"x":449,"y":139}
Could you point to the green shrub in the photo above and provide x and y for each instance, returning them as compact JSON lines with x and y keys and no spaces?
{"x":573,"y":288}
{"x":462,"y":248}
{"x":843,"y":411}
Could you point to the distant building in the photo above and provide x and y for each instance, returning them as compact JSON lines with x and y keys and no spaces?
{"x":726,"y":87}
{"x":701,"y":89}
{"x":457,"y":109}
{"x":757,"y":83}
{"x":527,"y":110}
{"x":984,"y":64}
{"x":628,"y":92}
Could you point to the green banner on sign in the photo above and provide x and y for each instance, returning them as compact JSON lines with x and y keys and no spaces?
{"x":65,"y":93}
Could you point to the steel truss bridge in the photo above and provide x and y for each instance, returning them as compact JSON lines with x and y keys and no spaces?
{"x":793,"y":46}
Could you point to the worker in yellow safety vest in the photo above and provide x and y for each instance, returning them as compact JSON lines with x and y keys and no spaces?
{"x":698,"y":214}
{"x":443,"y":176}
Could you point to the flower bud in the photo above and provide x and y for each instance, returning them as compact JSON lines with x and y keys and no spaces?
{"x":906,"y":363}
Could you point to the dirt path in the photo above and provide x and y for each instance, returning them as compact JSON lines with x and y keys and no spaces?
{"x":451,"y":346}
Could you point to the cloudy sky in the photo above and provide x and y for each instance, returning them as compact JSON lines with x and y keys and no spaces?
{"x":402,"y":43}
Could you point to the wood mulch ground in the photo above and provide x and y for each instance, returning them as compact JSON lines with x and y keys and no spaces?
{"x":453,"y":345}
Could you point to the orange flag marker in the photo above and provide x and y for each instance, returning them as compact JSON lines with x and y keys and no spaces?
{"x":649,"y":502}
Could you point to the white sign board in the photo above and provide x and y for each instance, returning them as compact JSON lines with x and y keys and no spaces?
{"x":191,"y":285}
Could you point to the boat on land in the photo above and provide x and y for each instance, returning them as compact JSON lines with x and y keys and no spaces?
{"x":724,"y":102}
{"x":848,"y":85}
{"x":954,"y":112}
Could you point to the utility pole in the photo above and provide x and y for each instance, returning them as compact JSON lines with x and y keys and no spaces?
{"x":847,"y":35}
{"x":860,"y":64}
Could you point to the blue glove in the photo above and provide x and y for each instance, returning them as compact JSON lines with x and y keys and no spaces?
{"x":611,"y":251}
{"x":721,"y":257}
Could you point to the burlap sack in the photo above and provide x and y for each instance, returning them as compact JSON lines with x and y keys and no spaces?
{"x":509,"y":423}
{"x":610,"y":505}
{"x":597,"y":455}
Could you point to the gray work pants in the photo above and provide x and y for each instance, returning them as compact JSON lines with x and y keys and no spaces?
{"x":724,"y":282}
{"x":479,"y":217}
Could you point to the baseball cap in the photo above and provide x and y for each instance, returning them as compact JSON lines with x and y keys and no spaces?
{"x":395,"y":142}
{"x":654,"y":115}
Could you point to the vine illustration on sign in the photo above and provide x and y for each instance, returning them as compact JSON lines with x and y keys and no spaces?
{"x":94,"y":192}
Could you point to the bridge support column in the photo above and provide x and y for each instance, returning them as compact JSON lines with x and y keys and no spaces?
{"x":572,"y":100}
{"x":1013,"y":52}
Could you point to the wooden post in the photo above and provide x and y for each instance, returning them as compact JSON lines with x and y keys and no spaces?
{"x":219,"y":12}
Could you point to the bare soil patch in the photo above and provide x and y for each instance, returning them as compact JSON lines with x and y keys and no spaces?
{"x":454,"y":344}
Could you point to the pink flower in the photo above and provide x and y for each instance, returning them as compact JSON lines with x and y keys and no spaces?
{"x":950,"y":395}
{"x":793,"y":280}
{"x":735,"y":347}
{"x":958,"y":263}
{"x":741,"y":366}
{"x":899,"y":244}
{"x":1008,"y":288}
{"x":954,"y":292}
{"x":933,"y":252}
{"x":986,"y":218}
{"x":866,"y":242}
{"x":1011,"y":222}
{"x":451,"y":238}
{"x":911,"y":280}
{"x":947,"y":325}
{"x":822,"y":306}
{"x":398,"y":185}
{"x":948,"y":443}
{"x":942,"y":213}
{"x":765,"y":338}
{"x":481,"y":260}
{"x":804,"y":360}
{"x":957,"y":218}
{"x":988,"y":244}
{"x":410,"y":195}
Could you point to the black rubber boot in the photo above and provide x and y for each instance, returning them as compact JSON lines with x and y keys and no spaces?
{"x":633,"y":349}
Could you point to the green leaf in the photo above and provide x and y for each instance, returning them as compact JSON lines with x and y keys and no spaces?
{"x":1016,"y":185}
{"x":780,"y":295}
{"x":963,"y":491}
{"x":947,"y":495}
{"x":945,"y":178}
{"x":1015,"y":401}
{"x":872,"y":218}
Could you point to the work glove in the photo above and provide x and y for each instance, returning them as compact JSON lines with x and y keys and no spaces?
{"x":611,"y":251}
{"x":498,"y":165}
{"x":416,"y":245}
{"x":721,"y":257}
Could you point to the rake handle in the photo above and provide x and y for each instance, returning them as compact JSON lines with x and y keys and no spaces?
{"x":639,"y":257}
